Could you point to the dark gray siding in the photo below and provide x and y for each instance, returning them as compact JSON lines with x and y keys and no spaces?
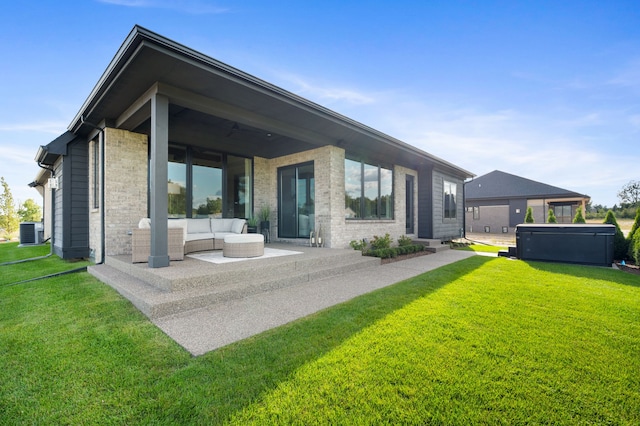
{"x":75,"y":223}
{"x":425,"y":203}
{"x":58,"y":213}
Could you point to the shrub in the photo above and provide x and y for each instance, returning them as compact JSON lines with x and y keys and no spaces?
{"x":636,"y":248}
{"x":404,"y":241}
{"x":551,"y":217}
{"x":619,"y":242}
{"x":632,"y":239}
{"x":578,"y":218}
{"x":528,"y":218}
{"x":381,"y":242}
{"x":358,"y":245}
{"x":391,"y":252}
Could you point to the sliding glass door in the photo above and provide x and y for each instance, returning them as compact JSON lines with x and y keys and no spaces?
{"x":296,"y":201}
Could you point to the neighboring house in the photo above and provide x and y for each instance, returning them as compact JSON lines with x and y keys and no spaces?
{"x":169,"y":132}
{"x":498,"y":201}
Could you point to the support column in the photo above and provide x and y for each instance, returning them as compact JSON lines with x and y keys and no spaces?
{"x":159,"y":199}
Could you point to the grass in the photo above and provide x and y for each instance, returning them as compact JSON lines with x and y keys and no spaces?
{"x":482,"y":248}
{"x":15,"y":273}
{"x":485,"y":340}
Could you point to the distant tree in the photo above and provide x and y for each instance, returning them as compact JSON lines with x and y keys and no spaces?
{"x":528,"y":217}
{"x":619,"y":242}
{"x":630,"y":193}
{"x":551,"y":217}
{"x":30,"y":211}
{"x":636,"y":248}
{"x":578,"y":218}
{"x":632,"y":237}
{"x":9,"y":220}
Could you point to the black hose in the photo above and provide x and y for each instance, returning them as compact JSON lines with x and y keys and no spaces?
{"x":13,"y":262}
{"x":57,"y":274}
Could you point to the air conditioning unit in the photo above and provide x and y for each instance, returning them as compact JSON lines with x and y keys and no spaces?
{"x":31,"y":233}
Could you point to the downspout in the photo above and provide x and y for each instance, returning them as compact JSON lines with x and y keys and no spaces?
{"x":102,"y":168}
{"x":463,"y":234}
{"x":53,"y":209}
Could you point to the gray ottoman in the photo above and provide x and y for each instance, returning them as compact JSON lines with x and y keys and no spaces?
{"x":243,"y":245}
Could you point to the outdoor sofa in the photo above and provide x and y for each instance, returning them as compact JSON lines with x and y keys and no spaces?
{"x":186,"y":236}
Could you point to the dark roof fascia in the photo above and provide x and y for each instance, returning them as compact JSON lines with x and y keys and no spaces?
{"x":140,"y":37}
{"x":533,"y":197}
{"x":48,"y":154}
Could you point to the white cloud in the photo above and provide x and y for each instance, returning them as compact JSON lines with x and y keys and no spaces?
{"x":629,"y":77}
{"x":323,"y":94}
{"x":52,"y":127}
{"x":195,"y":7}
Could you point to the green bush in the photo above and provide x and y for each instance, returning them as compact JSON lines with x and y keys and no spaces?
{"x":551,"y":217}
{"x":636,"y":248}
{"x":391,"y":252}
{"x":358,"y":245}
{"x":404,"y":241}
{"x":528,"y":218}
{"x":381,"y":242}
{"x":631,"y":240}
{"x":578,"y":218}
{"x":619,"y":242}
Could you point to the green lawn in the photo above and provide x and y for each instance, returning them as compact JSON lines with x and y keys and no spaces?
{"x":485,"y":340}
{"x":482,"y":248}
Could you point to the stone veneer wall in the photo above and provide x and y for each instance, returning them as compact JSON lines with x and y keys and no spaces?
{"x":348,"y":230}
{"x":125,"y":187}
{"x":329,"y":191}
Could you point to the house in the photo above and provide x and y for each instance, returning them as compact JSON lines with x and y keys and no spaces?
{"x":170,"y":132}
{"x":498,"y":201}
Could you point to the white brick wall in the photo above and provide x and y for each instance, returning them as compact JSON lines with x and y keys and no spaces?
{"x":125,"y":191}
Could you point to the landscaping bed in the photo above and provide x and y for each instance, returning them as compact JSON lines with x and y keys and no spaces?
{"x":404,"y":257}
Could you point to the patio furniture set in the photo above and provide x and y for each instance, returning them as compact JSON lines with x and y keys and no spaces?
{"x":199,"y":234}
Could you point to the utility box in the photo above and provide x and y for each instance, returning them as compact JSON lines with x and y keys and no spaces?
{"x":31,"y":233}
{"x":569,"y":243}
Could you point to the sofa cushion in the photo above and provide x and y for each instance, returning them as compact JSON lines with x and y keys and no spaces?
{"x":198,"y":226}
{"x":221,"y":225}
{"x":178,"y":223}
{"x":237,"y":226}
{"x":221,"y":235}
{"x":199,"y":236}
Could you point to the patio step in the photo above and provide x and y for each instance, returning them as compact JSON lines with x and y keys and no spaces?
{"x":193,"y":284}
{"x":432,"y":245}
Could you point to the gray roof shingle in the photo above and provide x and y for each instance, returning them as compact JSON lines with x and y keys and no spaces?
{"x":498,"y":184}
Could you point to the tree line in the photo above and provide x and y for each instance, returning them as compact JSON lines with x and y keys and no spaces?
{"x":10,"y":216}
{"x":629,"y":196}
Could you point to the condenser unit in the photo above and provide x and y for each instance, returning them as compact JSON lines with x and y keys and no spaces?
{"x":31,"y":233}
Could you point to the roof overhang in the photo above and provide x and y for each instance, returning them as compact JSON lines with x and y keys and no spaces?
{"x":48,"y":154}
{"x":209,"y":99}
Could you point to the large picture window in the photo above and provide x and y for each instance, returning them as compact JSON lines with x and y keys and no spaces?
{"x":203,"y":183}
{"x":368,"y":191}
{"x":449,"y":200}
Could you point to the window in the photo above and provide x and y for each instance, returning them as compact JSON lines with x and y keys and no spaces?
{"x":476,"y":213}
{"x":449,"y":200}
{"x":96,"y":173}
{"x":563,"y":213}
{"x":203,"y":183}
{"x":368,"y":191}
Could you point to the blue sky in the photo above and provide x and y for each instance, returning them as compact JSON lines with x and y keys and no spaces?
{"x":546,"y":90}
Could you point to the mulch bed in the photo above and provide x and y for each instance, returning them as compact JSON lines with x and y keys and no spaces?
{"x":403,"y":257}
{"x":629,"y":267}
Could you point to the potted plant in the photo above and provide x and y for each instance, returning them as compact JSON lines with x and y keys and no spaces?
{"x":252,"y":225}
{"x":265,"y":214}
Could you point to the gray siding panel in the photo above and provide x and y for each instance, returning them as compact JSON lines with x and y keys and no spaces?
{"x":425,"y":202}
{"x":445,"y":228}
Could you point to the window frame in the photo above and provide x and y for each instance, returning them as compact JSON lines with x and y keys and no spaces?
{"x":449,"y":205}
{"x":381,"y":183}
